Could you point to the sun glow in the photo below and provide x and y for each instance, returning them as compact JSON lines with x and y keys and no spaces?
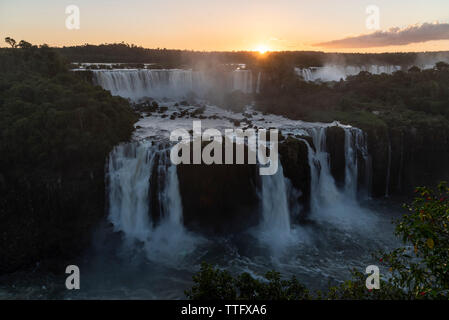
{"x":262,"y":49}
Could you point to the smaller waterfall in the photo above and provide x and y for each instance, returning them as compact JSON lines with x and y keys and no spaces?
{"x":128,"y":184}
{"x":356,"y":147}
{"x":351,"y":170}
{"x":275,"y":209}
{"x":328,"y":203}
{"x":138,"y":83}
{"x":275,"y":229}
{"x":169,"y":197}
{"x":259,"y":76}
{"x":337,"y":72}
{"x":324,"y":191}
{"x":242,"y":80}
{"x":172,"y":83}
{"x":131,"y":171}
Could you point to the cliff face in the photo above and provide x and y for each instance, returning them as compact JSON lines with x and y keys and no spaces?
{"x":224,"y":198}
{"x":294,"y":158}
{"x":404,"y":157}
{"x":219,"y":198}
{"x":335,"y":141}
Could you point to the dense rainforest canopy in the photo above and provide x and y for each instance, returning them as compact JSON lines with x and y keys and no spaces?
{"x":411,"y":94}
{"x":56,"y":130}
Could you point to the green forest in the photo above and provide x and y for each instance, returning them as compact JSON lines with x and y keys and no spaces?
{"x":56,"y":130}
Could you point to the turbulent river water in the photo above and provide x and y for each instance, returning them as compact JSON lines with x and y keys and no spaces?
{"x":132,"y":256}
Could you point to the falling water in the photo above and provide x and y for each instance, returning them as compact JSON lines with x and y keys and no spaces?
{"x":324,"y":191}
{"x":337,"y":72}
{"x":275,"y":210}
{"x":131,"y":167}
{"x":259,"y":76}
{"x":128,"y":185}
{"x":351,"y":170}
{"x":173,"y":83}
{"x":327,"y":201}
{"x":242,"y":80}
{"x":355,"y":145}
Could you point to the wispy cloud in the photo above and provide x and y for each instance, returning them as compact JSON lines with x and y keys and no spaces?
{"x":393,"y":37}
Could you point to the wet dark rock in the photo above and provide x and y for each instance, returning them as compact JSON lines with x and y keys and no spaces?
{"x":294,"y":158}
{"x":219,"y":198}
{"x":236,"y":122}
{"x":335,"y":145}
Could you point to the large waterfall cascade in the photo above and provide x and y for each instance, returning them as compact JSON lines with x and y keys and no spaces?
{"x":132,"y":166}
{"x":175,"y":83}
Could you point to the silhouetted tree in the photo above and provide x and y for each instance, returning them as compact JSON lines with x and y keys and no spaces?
{"x":11,"y":42}
{"x":24,"y":45}
{"x":441,"y":65}
{"x":414,"y":69}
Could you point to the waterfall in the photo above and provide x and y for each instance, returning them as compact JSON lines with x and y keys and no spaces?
{"x":337,"y":72}
{"x":401,"y":163}
{"x":242,"y":80}
{"x":259,"y":76}
{"x":139,"y":83}
{"x":128,"y":185}
{"x":324,"y":191}
{"x":130,"y":177}
{"x":169,"y":196}
{"x":275,"y":209}
{"x":355,"y":145}
{"x":327,"y":202}
{"x":170,"y":83}
{"x":351,"y":170}
{"x":305,"y":73}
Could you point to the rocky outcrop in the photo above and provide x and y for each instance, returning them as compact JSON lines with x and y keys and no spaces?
{"x":407,"y":156}
{"x":335,"y":142}
{"x":294,"y":159}
{"x":219,"y":198}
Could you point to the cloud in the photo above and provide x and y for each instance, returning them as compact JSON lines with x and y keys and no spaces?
{"x":393,"y":37}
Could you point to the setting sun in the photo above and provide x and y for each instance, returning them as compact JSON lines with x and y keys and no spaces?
{"x":262,"y":49}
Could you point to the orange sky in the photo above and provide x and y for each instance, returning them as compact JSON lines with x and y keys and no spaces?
{"x":217,"y":25}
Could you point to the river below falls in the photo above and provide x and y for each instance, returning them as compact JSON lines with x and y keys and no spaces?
{"x":318,"y":254}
